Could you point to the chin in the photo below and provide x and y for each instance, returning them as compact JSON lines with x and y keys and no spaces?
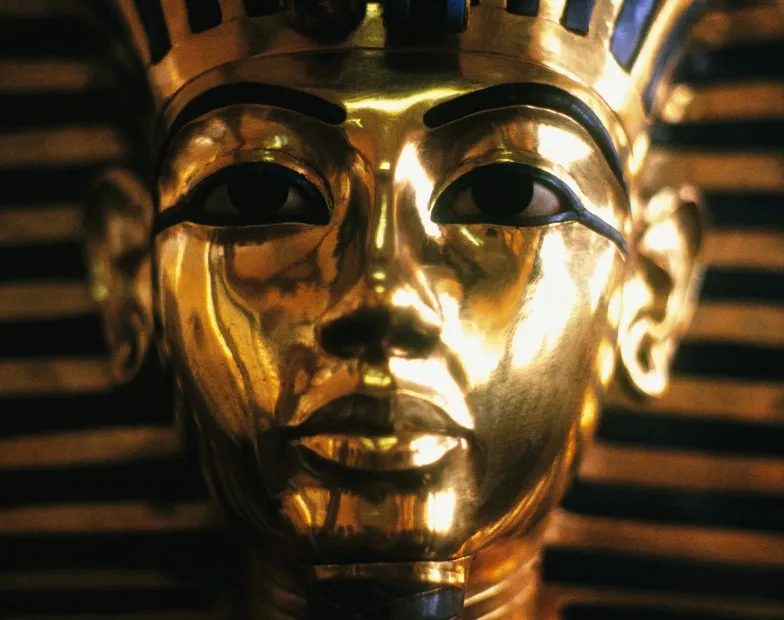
{"x":337,"y":514}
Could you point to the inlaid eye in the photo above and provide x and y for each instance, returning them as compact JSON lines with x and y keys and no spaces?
{"x":507,"y":194}
{"x":256,"y":193}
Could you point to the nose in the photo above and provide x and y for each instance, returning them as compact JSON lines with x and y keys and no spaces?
{"x":376,"y":334}
{"x":391,"y":309}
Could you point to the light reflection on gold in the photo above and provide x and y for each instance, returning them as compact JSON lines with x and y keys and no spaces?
{"x":639,"y":153}
{"x":407,"y":298}
{"x":606,"y":361}
{"x":409,"y":169}
{"x":483,"y":349}
{"x":382,"y":453}
{"x":432,"y":380}
{"x":392,"y":105}
{"x":479,"y":360}
{"x":374,"y":378}
{"x":601,"y":275}
{"x":506,"y":307}
{"x":441,"y":510}
{"x":681,"y":97}
{"x":454,"y":572}
{"x":559,"y":145}
{"x":382,"y":220}
{"x":589,"y":416}
{"x":550,"y":306}
{"x":615,"y":308}
{"x":473,"y":239}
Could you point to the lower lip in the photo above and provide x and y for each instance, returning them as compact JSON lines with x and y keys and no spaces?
{"x":384,"y":453}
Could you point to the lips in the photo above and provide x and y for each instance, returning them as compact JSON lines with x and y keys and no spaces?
{"x":397,"y":433}
{"x":386,"y":453}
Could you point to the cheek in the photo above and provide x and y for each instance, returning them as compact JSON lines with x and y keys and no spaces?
{"x":211,"y":340}
{"x":238,"y":313}
{"x":552,"y":331}
{"x":489,"y":270}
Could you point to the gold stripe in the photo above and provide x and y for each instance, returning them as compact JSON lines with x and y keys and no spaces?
{"x":603,"y":20}
{"x":754,"y":172}
{"x":61,"y":147}
{"x":670,"y":541}
{"x":682,"y":470}
{"x":751,"y":249}
{"x":746,"y":323}
{"x":44,"y":301}
{"x":49,"y":76}
{"x":711,"y":398}
{"x":725,"y":102}
{"x":177,"y":20}
{"x":232,"y":9}
{"x":747,"y":25}
{"x":46,"y":224}
{"x":53,"y":375}
{"x":555,"y":597}
{"x":89,"y":447}
{"x":552,"y":10}
{"x":107,"y":518}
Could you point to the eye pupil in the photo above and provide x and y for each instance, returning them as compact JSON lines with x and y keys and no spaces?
{"x":254,"y":192}
{"x":505,"y":194}
{"x":501,"y":192}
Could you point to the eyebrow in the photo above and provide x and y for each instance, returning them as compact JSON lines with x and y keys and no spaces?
{"x":264,"y":94}
{"x":535,"y":94}
{"x":253,"y":92}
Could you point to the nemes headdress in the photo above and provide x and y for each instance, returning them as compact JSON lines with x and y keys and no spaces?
{"x":613,"y":55}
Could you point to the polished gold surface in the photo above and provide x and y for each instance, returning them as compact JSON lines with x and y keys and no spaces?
{"x":540,"y":48}
{"x":100,"y":518}
{"x":476,"y":312}
{"x":393,"y":312}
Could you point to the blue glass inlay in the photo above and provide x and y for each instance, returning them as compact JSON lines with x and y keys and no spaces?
{"x":577,"y":15}
{"x":630,"y":28}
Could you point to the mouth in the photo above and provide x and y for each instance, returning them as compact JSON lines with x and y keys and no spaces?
{"x":398,"y":433}
{"x":383,"y":453}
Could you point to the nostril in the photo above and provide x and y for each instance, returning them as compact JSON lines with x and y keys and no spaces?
{"x":411,"y":341}
{"x":375,"y":334}
{"x":360,"y":334}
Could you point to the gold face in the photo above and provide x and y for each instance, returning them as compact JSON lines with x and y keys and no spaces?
{"x":404,"y":319}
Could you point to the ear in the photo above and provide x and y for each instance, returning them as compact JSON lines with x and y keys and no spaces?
{"x":660,"y":294}
{"x":118,"y":226}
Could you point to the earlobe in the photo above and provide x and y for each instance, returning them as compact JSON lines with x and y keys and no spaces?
{"x":660,"y":294}
{"x":118,"y":224}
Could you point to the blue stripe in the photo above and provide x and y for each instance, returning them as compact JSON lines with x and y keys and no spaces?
{"x":577,"y":15}
{"x":455,"y":15}
{"x":630,"y":29}
{"x":671,"y":47}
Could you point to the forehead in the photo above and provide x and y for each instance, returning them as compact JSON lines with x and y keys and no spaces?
{"x":383,"y":97}
{"x":400,"y":86}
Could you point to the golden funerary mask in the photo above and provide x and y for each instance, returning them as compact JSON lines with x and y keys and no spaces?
{"x":398,"y":253}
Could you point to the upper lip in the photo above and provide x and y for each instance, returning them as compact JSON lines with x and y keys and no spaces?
{"x":395,"y":414}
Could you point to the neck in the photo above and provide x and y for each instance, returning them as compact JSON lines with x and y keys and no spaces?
{"x":502,"y":583}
